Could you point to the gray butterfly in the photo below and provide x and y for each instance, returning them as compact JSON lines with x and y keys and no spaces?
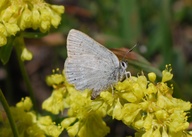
{"x":90,"y":65}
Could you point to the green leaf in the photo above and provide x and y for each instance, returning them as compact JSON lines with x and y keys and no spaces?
{"x":145,"y":67}
{"x":5,"y":51}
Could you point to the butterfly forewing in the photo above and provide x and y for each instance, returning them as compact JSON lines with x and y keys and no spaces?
{"x":89,"y":65}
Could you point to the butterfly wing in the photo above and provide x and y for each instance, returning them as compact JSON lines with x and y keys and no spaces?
{"x":89,"y":65}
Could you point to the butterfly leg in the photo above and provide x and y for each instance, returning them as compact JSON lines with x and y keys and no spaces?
{"x":127,"y":73}
{"x":94,"y":94}
{"x":112,"y":89}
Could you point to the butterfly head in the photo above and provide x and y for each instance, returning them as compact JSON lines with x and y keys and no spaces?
{"x":122,"y":69}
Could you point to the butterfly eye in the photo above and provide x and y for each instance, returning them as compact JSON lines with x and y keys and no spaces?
{"x":123,"y":64}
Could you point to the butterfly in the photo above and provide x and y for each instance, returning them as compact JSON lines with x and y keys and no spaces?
{"x":90,"y":65}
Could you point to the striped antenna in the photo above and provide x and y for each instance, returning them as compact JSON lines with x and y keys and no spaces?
{"x":129,"y":51}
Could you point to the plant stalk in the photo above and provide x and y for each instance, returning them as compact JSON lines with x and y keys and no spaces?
{"x":8,"y":112}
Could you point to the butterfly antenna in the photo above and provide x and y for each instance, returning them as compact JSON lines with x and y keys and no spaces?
{"x":129,"y":50}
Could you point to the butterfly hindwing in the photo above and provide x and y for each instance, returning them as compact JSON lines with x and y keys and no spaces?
{"x":89,"y":65}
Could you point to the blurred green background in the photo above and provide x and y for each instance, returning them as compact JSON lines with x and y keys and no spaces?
{"x":162,"y":29}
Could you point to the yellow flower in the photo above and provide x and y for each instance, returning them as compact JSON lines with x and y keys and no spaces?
{"x":55,"y":103}
{"x":129,"y":112}
{"x":55,"y":79}
{"x":130,"y":88}
{"x":3,"y":30}
{"x":28,"y":123}
{"x":23,"y":121}
{"x":25,"y":103}
{"x":157,"y":133}
{"x":93,"y":126}
{"x":107,"y":97}
{"x":144,"y":104}
{"x":68,"y":122}
{"x":35,"y":131}
{"x":152,"y":76}
{"x":161,"y":115}
{"x":150,"y":106}
{"x":26,"y":54}
{"x":36,"y":18}
{"x":73,"y":130}
{"x":148,"y":133}
{"x":17,"y":15}
{"x":25,"y":19}
{"x":49,"y":127}
{"x":117,"y":111}
{"x":11,"y":29}
{"x":166,"y":74}
{"x":90,"y":126}
{"x":85,"y":114}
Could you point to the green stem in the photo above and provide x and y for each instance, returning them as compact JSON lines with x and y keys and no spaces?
{"x":20,"y":42}
{"x":7,"y":110}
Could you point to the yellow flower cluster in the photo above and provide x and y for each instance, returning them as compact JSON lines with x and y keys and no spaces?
{"x":18,"y":15}
{"x":139,"y":102}
{"x":28,"y":123}
{"x":83,"y":114}
{"x":84,"y":120}
{"x":149,"y":108}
